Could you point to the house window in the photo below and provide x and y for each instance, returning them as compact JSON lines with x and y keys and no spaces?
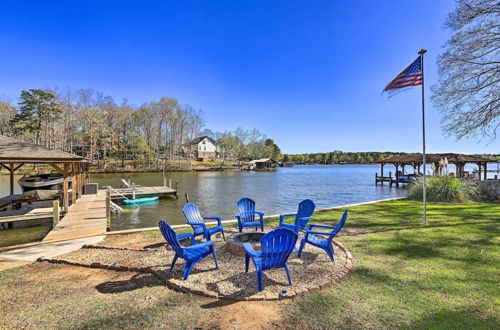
{"x":204,"y":148}
{"x":199,"y":148}
{"x":204,"y":142}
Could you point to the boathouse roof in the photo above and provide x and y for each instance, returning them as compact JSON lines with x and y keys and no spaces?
{"x":16,"y":151}
{"x":434,"y":158}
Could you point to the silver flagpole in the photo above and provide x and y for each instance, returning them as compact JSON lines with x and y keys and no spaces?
{"x":422,"y":52}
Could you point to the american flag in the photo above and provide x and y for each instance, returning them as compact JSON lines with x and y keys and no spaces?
{"x":411,"y":76}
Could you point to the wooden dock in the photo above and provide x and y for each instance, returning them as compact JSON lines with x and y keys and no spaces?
{"x":140,"y":191}
{"x":41,"y":213}
{"x":389,"y":179}
{"x":85,"y":218}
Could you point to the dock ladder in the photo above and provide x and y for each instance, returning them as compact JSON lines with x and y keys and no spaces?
{"x":122,"y":195}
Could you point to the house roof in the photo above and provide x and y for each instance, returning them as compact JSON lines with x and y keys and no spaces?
{"x":432,"y":158}
{"x":201,"y":138}
{"x":16,"y":151}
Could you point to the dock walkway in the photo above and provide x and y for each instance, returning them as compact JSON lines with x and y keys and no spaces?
{"x":85,"y":218}
{"x":141,"y":191}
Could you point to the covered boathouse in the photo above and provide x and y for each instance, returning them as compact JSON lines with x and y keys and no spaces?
{"x":415,"y":162}
{"x":15,"y":153}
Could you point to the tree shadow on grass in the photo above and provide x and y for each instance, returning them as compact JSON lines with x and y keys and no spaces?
{"x":137,"y":281}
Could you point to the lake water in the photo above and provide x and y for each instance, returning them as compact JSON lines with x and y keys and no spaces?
{"x":274,"y":192}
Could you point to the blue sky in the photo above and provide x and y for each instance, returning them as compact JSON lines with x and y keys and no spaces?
{"x":308,"y":74}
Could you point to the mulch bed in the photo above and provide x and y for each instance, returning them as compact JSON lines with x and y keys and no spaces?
{"x":230,"y":281}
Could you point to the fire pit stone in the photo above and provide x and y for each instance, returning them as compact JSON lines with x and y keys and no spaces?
{"x":235,"y":243}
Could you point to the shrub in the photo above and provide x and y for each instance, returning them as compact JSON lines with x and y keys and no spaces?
{"x":444,"y":189}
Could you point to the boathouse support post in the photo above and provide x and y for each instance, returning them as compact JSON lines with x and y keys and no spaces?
{"x":73,"y":192}
{"x":55,"y":208}
{"x":65,"y":187}
{"x":485,"y":171}
{"x":11,"y":170}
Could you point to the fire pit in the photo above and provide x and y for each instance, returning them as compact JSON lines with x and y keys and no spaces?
{"x":235,"y":244}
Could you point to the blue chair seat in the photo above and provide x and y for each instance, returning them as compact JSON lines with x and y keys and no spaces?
{"x":302,"y":217}
{"x":194,"y":218}
{"x":276,"y":247}
{"x":316,"y":238}
{"x":247,"y":216}
{"x":317,"y":241}
{"x":192,"y":254}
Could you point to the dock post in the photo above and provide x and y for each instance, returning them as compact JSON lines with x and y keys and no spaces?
{"x":55,"y":208}
{"x":108,"y":210}
{"x":176,"y":189}
{"x":170,"y":183}
{"x":133,"y":190}
{"x":376,"y":178}
{"x":187,"y":197}
{"x":164,"y":181}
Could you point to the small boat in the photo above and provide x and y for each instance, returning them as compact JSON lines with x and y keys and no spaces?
{"x":140,"y":200}
{"x":52,"y":181}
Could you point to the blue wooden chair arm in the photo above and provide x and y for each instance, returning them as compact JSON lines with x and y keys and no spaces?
{"x":199,"y":245}
{"x":250,"y":250}
{"x":182,"y":236}
{"x":282,"y":216}
{"x":260,"y":214}
{"x":321,"y":226}
{"x":219,"y":220}
{"x":319,"y":232}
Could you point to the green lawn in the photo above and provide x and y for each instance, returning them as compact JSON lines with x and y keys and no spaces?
{"x":407,"y":275}
{"x":17,"y":236}
{"x":444,"y":275}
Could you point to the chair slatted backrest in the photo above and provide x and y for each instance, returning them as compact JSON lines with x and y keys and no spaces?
{"x":306,"y":209}
{"x":339,"y":226}
{"x":171,"y":238}
{"x":276,"y":247}
{"x":246,"y":206}
{"x":192,"y":213}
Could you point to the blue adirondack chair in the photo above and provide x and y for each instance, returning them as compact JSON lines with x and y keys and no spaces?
{"x":194,"y":218}
{"x":276,"y":247}
{"x":192,"y":254}
{"x":302,"y":217}
{"x":311,"y":236}
{"x":246,"y":217}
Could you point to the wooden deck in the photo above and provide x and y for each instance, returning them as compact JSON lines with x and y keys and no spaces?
{"x":142,"y":192}
{"x":85,"y":218}
{"x":27,"y":214}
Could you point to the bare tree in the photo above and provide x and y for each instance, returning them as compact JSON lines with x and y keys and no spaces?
{"x":7,"y":112}
{"x":468,"y":91}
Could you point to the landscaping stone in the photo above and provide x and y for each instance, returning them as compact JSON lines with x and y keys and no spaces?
{"x":311,"y":272}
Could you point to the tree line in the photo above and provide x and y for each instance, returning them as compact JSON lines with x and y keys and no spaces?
{"x":340,"y":157}
{"x":112,"y":133}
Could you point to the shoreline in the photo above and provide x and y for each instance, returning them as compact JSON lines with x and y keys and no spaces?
{"x":229,"y":221}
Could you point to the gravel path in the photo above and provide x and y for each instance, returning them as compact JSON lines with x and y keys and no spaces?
{"x":231,"y":278}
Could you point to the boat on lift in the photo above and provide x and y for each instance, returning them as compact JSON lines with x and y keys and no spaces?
{"x":51,"y":181}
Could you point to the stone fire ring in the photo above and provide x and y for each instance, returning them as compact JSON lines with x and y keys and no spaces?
{"x":184,"y":286}
{"x":187,"y":287}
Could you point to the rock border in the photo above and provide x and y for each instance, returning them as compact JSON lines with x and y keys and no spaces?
{"x":185,"y":287}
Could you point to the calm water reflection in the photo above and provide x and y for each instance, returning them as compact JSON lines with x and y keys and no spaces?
{"x":274,"y":192}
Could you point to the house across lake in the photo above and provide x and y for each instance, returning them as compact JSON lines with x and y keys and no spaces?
{"x":203,"y":148}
